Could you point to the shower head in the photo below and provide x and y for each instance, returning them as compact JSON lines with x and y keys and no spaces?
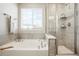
{"x":4,"y":14}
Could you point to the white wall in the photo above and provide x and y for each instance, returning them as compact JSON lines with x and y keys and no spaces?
{"x":10,"y":9}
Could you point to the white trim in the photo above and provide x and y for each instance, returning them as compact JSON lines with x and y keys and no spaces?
{"x":34,"y":6}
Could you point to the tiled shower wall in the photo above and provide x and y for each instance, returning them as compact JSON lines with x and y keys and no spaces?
{"x":68,"y":36}
{"x":51,"y":19}
{"x":77,"y":27}
{"x":59,"y":11}
{"x":65,"y":36}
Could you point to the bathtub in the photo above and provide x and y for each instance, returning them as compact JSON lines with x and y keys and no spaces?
{"x":26,"y":47}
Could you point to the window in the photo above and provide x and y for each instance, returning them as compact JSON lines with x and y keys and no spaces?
{"x":31,"y":18}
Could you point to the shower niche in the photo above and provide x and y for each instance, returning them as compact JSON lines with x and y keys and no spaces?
{"x":63,"y":18}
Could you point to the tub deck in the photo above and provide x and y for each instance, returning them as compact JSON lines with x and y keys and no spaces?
{"x":26,"y":47}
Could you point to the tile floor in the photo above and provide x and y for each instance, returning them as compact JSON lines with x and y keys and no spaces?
{"x":62,"y":50}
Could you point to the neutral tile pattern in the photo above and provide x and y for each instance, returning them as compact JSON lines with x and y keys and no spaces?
{"x":32,"y":35}
{"x":51,"y":20}
{"x":7,"y":38}
{"x":77,"y":23}
{"x":24,"y":53}
{"x":62,"y":50}
{"x":51,"y":48}
{"x":66,"y":36}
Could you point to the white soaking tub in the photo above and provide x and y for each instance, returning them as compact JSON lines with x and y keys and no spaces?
{"x":26,"y":47}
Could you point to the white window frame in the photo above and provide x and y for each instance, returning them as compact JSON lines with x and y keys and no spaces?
{"x":32,"y":30}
